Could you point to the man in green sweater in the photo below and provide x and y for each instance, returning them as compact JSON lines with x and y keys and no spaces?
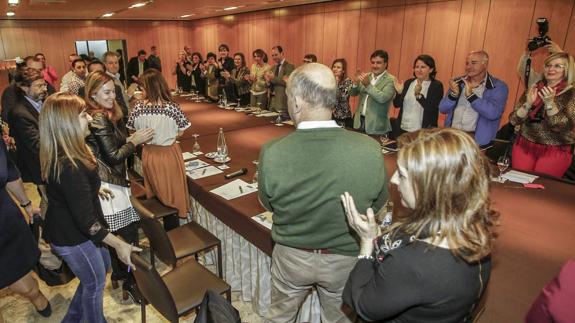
{"x":302,"y":176}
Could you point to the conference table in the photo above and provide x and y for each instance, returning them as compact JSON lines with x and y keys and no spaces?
{"x":535,"y":233}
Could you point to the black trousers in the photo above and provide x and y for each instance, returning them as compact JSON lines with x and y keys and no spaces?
{"x":119,"y":270}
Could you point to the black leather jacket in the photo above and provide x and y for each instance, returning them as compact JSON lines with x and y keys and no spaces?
{"x":108,"y":143}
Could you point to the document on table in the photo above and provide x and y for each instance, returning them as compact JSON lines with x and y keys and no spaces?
{"x":234,"y":189}
{"x":195,"y":164}
{"x":519,"y":177}
{"x":203,"y":172}
{"x":267,"y":114}
{"x":290,"y":122}
{"x":188,"y":155}
{"x":264,"y":219}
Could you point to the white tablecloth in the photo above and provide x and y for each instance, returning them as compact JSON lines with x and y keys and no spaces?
{"x":247,"y":268}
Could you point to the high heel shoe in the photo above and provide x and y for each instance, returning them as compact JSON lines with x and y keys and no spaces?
{"x":46,"y":312}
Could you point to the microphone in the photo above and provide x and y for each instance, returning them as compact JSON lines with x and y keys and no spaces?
{"x":237,"y":173}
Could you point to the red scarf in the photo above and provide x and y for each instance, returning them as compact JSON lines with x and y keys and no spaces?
{"x":538,"y":104}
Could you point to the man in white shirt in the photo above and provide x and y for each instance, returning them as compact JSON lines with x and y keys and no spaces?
{"x":376,"y":94}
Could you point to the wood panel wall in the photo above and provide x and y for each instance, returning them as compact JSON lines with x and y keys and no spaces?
{"x":56,"y":38}
{"x":445,"y":29}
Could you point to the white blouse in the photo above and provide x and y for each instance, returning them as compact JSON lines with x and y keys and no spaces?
{"x":412,"y":117}
{"x":166,"y":120}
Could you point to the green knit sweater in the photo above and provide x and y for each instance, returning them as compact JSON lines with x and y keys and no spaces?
{"x":302,"y":176}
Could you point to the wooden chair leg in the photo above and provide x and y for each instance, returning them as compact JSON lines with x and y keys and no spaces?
{"x":143,"y":310}
{"x":152,"y":258}
{"x":229,"y":295}
{"x":220,"y":267}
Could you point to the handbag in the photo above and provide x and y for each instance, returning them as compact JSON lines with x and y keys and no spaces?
{"x":47,"y":268}
{"x":216,"y":309}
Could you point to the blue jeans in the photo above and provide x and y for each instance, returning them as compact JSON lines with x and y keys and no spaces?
{"x":89,"y":263}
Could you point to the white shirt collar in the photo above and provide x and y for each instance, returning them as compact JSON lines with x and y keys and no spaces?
{"x":317,"y":124}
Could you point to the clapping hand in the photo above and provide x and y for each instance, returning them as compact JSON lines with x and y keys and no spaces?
{"x":364,"y":78}
{"x":468,"y":87}
{"x":454,"y":87}
{"x":398,"y":85}
{"x":547,"y":94}
{"x":364,"y":225}
{"x":418,"y":87}
{"x":531,"y":95}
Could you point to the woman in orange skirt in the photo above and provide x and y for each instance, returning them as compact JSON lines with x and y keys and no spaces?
{"x":162,"y":161}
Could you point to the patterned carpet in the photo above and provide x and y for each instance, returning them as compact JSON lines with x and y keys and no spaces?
{"x":14,"y":308}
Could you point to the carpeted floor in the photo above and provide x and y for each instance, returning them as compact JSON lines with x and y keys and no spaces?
{"x":14,"y":308}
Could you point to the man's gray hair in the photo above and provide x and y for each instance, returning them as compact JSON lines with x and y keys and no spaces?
{"x":481,"y":53}
{"x":315,"y":84}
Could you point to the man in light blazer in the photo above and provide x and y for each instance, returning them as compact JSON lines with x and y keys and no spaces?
{"x":376,"y":94}
{"x":277,"y":82}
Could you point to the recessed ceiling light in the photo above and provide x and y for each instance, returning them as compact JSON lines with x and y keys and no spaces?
{"x":106,"y":15}
{"x":230,"y":8}
{"x":13,"y":2}
{"x":188,"y":15}
{"x":10,"y":14}
{"x":138,"y":5}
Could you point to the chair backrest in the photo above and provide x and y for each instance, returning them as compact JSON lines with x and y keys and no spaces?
{"x":153,"y":289}
{"x":155,"y":232}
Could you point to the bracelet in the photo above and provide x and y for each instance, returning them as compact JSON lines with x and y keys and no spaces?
{"x":365,"y":257}
{"x":25,"y":205}
{"x":549,"y":107}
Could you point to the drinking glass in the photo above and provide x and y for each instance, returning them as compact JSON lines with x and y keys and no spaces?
{"x":196,"y":148}
{"x":502,"y":164}
{"x":256,"y":173}
{"x":238,"y":106}
{"x":222,"y":154}
{"x":384,"y":139}
{"x":259,"y":109}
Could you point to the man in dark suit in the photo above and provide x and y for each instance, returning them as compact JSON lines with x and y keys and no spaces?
{"x":154,"y":60}
{"x":23,"y":122}
{"x":137,"y":66}
{"x":9,"y":94}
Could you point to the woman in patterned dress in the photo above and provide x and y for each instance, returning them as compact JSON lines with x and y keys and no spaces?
{"x":342,"y":112}
{"x":111,"y":146}
{"x":162,"y":161}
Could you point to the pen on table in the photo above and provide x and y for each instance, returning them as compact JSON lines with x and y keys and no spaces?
{"x":204,"y":171}
{"x":241,"y":190}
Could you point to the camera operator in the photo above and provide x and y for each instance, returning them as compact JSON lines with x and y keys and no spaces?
{"x":545,"y":116}
{"x":533,"y":45}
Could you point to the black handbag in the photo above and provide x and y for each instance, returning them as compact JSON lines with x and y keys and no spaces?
{"x":217,"y":309}
{"x":56,"y":277}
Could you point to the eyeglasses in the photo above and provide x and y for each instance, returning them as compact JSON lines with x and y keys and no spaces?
{"x":554,"y":66}
{"x":307,"y":61}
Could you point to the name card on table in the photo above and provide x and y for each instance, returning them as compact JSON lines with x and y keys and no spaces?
{"x":203,"y":172}
{"x":188,"y":155}
{"x":267,"y":114}
{"x":264,"y":219}
{"x":519,"y":177}
{"x":235,"y":189}
{"x":195,"y":164}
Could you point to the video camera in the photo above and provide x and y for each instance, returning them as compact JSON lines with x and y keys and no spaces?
{"x":542,"y":39}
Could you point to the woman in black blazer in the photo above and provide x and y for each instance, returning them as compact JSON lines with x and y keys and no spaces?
{"x":418,"y":99}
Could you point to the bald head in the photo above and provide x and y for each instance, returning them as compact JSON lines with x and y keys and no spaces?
{"x":311,"y":91}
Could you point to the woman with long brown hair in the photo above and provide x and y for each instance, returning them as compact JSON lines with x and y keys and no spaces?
{"x":75,"y":224}
{"x":111,"y":147}
{"x":162,"y":161}
{"x":341,"y":112}
{"x":433,"y":263}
